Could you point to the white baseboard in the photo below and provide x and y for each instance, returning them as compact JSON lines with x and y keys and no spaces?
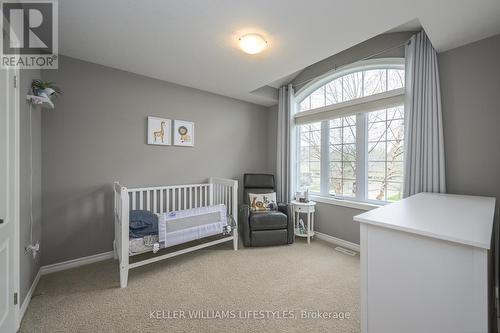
{"x":61,"y":266}
{"x":337,"y":241}
{"x":56,"y":268}
{"x":27,"y":298}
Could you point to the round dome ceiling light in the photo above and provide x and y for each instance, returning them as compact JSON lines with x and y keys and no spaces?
{"x":252,"y":43}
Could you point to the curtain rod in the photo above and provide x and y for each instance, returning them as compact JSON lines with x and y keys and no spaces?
{"x":365,"y":58}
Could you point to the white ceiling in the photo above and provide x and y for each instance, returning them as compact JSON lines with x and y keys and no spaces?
{"x":193,"y":42}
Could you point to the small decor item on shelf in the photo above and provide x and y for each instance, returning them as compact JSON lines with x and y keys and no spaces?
{"x":46,"y":89}
{"x":302,"y":227}
{"x":302,"y":197}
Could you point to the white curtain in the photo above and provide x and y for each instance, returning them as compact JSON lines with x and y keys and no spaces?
{"x":424,"y":146}
{"x":284,"y":145}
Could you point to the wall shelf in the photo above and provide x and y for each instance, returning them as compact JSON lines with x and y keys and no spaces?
{"x":44,"y":102}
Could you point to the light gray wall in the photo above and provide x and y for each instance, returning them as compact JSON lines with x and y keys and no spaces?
{"x":383,"y":46}
{"x":29,"y":267}
{"x":97,"y":134}
{"x":470,"y":89}
{"x":272,"y":128}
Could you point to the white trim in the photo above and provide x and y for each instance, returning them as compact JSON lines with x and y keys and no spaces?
{"x":27,"y":298}
{"x":44,"y":270}
{"x":61,"y":266}
{"x":182,"y":251}
{"x":377,"y":63}
{"x":346,"y":203}
{"x":383,"y":100}
{"x":337,"y":241}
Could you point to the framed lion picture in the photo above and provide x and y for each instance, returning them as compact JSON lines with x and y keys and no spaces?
{"x":159,"y":131}
{"x":183,"y":133}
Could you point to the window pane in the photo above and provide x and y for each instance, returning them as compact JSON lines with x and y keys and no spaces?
{"x":304,"y":154}
{"x":376,"y":131}
{"x":348,"y":188}
{"x":310,"y":156}
{"x":314,"y":139}
{"x":349,"y":134}
{"x":349,"y":170}
{"x":336,"y":122}
{"x":385,"y":154}
{"x":376,"y":171}
{"x":394,"y":172}
{"x":335,"y":186}
{"x":333,"y":92}
{"x":394,"y":191}
{"x":318,"y":98}
{"x":375,"y":82}
{"x":336,"y":169}
{"x":305,"y":104}
{"x":343,"y":156}
{"x":351,"y":86}
{"x":336,"y":135}
{"x":349,"y":121}
{"x":376,"y":151}
{"x":349,"y":152}
{"x":315,"y":184}
{"x":384,"y":139}
{"x":376,"y":190}
{"x":377,"y":116}
{"x":395,"y":113}
{"x":395,"y":150}
{"x":335,"y":152}
{"x":395,"y":79}
{"x":395,"y":129}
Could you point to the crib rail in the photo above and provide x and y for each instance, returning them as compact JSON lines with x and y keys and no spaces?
{"x":162,"y":199}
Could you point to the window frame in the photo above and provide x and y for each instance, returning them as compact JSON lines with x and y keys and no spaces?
{"x":360,"y":107}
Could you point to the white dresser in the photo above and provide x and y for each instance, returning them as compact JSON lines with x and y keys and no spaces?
{"x":424,"y":265}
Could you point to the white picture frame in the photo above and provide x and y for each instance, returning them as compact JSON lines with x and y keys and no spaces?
{"x":159,"y":131}
{"x":183,"y":133}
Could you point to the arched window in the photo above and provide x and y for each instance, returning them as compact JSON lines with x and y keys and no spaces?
{"x":351,"y":132}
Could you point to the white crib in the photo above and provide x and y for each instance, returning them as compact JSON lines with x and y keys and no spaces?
{"x":161,"y":199}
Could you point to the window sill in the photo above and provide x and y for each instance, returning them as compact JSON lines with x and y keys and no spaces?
{"x":345,"y":203}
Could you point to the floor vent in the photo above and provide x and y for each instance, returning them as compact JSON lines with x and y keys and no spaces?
{"x":346,"y":251}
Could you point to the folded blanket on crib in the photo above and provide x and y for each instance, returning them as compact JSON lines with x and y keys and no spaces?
{"x":142,"y":223}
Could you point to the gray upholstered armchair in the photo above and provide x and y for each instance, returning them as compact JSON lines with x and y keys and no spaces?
{"x":264,"y":228}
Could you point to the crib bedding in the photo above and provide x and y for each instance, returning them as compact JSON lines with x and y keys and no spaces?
{"x":183,"y":226}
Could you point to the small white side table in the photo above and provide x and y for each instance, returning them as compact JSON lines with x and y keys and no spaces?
{"x":307,"y":208}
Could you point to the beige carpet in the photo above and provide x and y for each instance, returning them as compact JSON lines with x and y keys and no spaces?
{"x":285,"y":279}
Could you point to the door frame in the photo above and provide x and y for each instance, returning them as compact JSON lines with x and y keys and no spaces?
{"x":13,"y":167}
{"x":15,"y":199}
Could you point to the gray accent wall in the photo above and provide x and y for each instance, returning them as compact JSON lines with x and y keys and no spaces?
{"x":97,"y":135}
{"x":28,"y":266}
{"x":381,"y":46}
{"x":470,"y":92}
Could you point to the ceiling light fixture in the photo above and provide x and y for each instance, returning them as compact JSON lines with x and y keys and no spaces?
{"x":252,"y":43}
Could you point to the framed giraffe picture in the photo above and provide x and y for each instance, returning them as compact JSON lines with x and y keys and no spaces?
{"x":159,"y":131}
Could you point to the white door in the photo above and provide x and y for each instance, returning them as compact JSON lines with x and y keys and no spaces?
{"x":8,"y":209}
